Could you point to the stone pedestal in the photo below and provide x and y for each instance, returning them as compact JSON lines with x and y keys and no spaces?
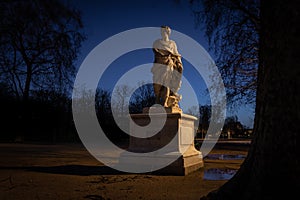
{"x":177,"y":134}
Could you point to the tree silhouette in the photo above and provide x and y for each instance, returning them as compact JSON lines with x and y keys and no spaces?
{"x":232,"y":27}
{"x":39,"y":42}
{"x":271,"y":169}
{"x":142,"y":97}
{"x":203,"y":113}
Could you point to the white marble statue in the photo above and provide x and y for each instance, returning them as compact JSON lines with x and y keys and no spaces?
{"x":167,"y":70}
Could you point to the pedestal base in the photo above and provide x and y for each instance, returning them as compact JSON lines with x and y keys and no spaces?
{"x":177,"y":140}
{"x":188,"y":162}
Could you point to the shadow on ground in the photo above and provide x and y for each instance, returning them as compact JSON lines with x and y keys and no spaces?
{"x":80,"y":170}
{"x":83,"y":170}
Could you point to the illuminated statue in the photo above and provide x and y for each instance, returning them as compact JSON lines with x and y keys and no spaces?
{"x":167,"y":70}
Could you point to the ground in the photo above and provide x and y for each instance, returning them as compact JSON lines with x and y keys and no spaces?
{"x":68,"y":171}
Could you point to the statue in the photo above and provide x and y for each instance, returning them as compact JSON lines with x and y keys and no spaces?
{"x":167,"y":70}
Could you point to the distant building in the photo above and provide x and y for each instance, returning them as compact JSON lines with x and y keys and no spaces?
{"x":231,"y":129}
{"x":235,"y":129}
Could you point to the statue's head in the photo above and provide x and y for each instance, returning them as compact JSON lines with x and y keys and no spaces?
{"x":165,"y":31}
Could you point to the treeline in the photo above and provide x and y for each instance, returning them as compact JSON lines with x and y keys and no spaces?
{"x":39,"y":43}
{"x":47,"y":115}
{"x":232,"y":127}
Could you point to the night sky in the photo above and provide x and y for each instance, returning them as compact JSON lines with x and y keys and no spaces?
{"x":103,"y":19}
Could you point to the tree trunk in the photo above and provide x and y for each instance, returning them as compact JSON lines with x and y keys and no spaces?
{"x":271,"y":169}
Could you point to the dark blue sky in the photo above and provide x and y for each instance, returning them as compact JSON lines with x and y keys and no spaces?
{"x":105,"y":18}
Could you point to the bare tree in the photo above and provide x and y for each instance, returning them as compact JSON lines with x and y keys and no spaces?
{"x":232,"y":27}
{"x":102,"y":102}
{"x":203,"y":113}
{"x":120,"y":100}
{"x":39,"y":42}
{"x":142,"y":97}
{"x":193,"y":110}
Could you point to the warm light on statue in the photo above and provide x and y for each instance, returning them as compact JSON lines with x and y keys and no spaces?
{"x":167,"y":70}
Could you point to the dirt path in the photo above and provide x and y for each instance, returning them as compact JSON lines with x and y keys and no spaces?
{"x":29,"y":171}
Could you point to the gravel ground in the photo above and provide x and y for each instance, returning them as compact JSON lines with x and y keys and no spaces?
{"x":68,"y":171}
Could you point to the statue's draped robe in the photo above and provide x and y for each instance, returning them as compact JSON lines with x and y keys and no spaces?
{"x":167,"y":68}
